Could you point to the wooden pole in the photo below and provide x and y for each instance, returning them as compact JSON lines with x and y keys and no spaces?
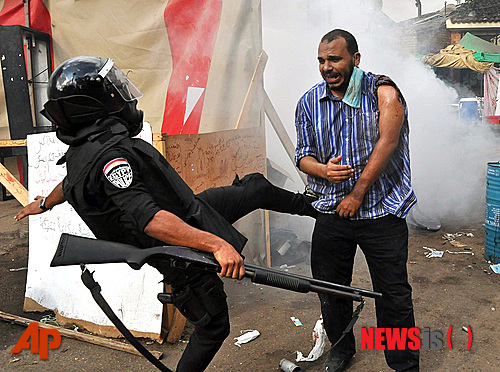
{"x":255,"y":83}
{"x":280,"y":130}
{"x":115,"y":345}
{"x":27,"y":13}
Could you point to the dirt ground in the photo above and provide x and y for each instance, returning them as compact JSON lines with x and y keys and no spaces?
{"x":456,"y":290}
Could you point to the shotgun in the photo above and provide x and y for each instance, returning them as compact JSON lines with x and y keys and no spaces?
{"x":76,"y":250}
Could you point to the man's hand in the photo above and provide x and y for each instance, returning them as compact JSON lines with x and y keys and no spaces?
{"x":348,"y":206}
{"x":30,"y":209}
{"x":169,"y":228}
{"x":337,"y":173}
{"x":55,"y":197}
{"x":230,"y":261}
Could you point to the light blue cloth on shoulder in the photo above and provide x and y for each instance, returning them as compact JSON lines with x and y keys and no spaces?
{"x":353,"y":93}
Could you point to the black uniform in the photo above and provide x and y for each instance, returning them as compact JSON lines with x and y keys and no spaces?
{"x":117,"y":184}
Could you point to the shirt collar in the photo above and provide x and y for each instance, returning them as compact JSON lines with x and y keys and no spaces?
{"x":325,"y":93}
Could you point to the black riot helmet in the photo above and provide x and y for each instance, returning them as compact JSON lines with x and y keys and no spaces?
{"x":85,"y":89}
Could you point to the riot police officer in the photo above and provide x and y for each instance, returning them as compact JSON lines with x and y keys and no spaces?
{"x":127,"y":192}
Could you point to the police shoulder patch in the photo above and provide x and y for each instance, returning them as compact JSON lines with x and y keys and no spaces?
{"x":119,"y":172}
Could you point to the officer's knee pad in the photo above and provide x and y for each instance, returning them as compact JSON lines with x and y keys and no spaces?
{"x":218,"y":328}
{"x":203,"y":303}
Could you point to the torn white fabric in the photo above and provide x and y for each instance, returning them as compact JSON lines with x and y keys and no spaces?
{"x":319,"y":339}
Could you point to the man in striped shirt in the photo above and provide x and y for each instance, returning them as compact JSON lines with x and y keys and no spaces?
{"x":352,"y":132}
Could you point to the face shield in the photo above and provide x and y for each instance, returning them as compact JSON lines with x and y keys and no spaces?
{"x":128,"y":91}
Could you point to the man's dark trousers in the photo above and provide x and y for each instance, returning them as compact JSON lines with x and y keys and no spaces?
{"x":384,"y":242}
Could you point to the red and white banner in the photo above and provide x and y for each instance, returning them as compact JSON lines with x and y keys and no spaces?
{"x":192,"y":59}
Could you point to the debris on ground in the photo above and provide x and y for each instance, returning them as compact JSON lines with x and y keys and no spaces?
{"x":436,"y":253}
{"x":457,"y":235}
{"x":319,"y":339}
{"x":296,"y":321}
{"x":462,"y":252}
{"x":495,"y":268}
{"x":457,"y":244}
{"x":246,"y":337}
{"x":433,"y":253}
{"x":19,"y":269}
{"x":287,"y":248}
{"x":452,"y":239}
{"x":287,"y":366}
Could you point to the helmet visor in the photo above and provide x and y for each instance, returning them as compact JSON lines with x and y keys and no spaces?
{"x":128,"y":91}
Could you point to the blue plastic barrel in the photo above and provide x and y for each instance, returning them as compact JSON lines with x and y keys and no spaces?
{"x":492,"y":224}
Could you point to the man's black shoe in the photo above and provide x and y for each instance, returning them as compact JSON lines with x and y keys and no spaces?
{"x":336,"y":363}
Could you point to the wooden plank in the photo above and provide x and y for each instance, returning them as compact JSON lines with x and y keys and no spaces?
{"x":255,"y":84}
{"x":14,"y":186}
{"x":160,"y":146}
{"x":157,"y":137}
{"x":268,"y":239}
{"x":280,"y":130}
{"x":170,"y":309}
{"x":177,"y":327}
{"x":12,"y":143}
{"x":96,"y":340}
{"x":267,"y":232}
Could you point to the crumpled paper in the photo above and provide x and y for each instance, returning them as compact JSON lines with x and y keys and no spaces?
{"x":495,"y":268}
{"x":433,"y":253}
{"x":246,"y":337}
{"x":319,"y":339}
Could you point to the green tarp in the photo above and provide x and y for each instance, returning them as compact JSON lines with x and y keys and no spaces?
{"x":485,"y":51}
{"x":487,"y":57}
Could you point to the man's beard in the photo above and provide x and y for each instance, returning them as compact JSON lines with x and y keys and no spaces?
{"x":342,"y":88}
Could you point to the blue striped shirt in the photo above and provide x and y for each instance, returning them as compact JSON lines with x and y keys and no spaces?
{"x":327,"y":127}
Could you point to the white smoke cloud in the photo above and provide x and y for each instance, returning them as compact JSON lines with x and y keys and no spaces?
{"x":449,"y":159}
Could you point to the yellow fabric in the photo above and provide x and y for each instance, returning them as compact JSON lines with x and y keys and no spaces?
{"x":456,"y":56}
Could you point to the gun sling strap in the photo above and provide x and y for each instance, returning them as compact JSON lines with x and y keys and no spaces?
{"x":95,"y":290}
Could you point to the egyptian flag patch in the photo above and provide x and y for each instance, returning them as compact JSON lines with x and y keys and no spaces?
{"x":119,"y":173}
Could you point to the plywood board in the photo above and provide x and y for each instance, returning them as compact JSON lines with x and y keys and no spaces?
{"x":213,"y":159}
